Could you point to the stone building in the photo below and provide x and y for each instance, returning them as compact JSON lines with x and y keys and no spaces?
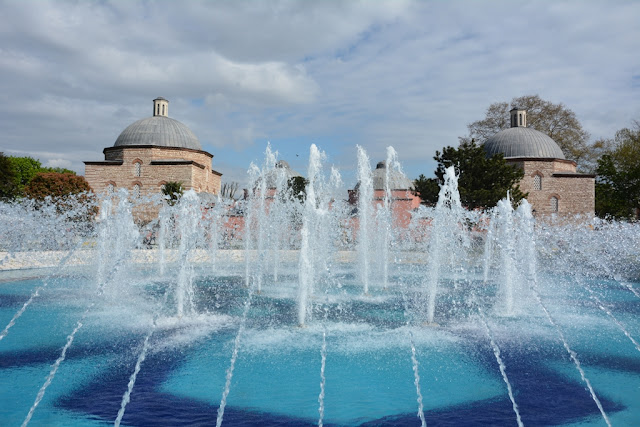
{"x":279,"y":177}
{"x":551,"y":180}
{"x":151,"y":152}
{"x":403,"y":199}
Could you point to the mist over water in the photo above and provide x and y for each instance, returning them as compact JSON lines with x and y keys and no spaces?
{"x":292,"y":309}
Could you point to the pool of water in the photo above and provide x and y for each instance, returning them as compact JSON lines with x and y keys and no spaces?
{"x":369,"y":374}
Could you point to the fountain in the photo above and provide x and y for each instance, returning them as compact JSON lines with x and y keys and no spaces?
{"x":469,"y":318}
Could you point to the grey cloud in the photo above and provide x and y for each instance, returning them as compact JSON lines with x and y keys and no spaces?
{"x":407,"y":74}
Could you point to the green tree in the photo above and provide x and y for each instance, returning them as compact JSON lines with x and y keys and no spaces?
{"x":173,"y":190}
{"x":8,"y":187}
{"x":56,"y":170}
{"x":482,"y":180}
{"x":55,"y":185}
{"x":24,"y":168}
{"x":427,"y":189}
{"x":618,"y":176}
{"x":297,"y":187}
{"x":71,"y":195}
{"x":554,"y":120}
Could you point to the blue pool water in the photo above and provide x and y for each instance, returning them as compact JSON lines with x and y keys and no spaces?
{"x":276,"y":378}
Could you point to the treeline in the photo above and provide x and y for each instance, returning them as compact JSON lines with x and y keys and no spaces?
{"x":22,"y":177}
{"x":618,"y":175}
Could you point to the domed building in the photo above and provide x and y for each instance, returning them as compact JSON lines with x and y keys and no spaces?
{"x":276,"y":179}
{"x":403,"y":199}
{"x":551,"y":180}
{"x":279,"y":176}
{"x":151,"y":152}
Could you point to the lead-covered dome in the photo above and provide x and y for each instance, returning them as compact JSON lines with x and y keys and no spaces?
{"x":281,"y":174}
{"x":521,"y":141}
{"x":159,"y":130}
{"x":397,"y":180}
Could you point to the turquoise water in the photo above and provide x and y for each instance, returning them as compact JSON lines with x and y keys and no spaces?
{"x":276,"y":380}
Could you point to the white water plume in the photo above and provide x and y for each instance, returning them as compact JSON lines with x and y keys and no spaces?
{"x":507,"y":236}
{"x":323,"y":379}
{"x":509,"y":252}
{"x":449,"y":240}
{"x":279,"y":212}
{"x":215,"y":227}
{"x":310,"y":217}
{"x":188,"y":225}
{"x":257,"y":225}
{"x":365,"y":220}
{"x":386,"y":219}
{"x":416,"y":380}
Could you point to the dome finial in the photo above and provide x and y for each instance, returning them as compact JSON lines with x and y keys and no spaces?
{"x":518,"y":117}
{"x":160,"y":107}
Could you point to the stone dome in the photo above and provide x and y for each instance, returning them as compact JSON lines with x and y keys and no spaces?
{"x":522,"y":141}
{"x":281,"y":171}
{"x":158,"y":130}
{"x":397,"y":180}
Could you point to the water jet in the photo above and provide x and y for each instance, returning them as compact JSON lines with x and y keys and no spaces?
{"x":513,"y":320}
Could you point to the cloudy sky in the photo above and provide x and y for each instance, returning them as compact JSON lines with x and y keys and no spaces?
{"x":410,"y":74}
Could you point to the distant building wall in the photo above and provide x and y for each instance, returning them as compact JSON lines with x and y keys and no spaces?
{"x":555,"y":187}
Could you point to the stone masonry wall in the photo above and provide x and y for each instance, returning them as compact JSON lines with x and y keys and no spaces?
{"x":152,"y":177}
{"x":575,"y":193}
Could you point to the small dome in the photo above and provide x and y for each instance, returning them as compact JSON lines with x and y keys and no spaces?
{"x":282,"y":171}
{"x":158,"y":130}
{"x":523,"y":142}
{"x":283,"y":164}
{"x":397,"y":180}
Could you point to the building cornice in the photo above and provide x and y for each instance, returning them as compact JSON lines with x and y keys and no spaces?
{"x":540,"y":159}
{"x":176,"y":162}
{"x":104,"y":163}
{"x":572,"y":175}
{"x":127,"y":147}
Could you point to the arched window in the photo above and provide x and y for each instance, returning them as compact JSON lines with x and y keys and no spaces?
{"x":554,"y":204}
{"x":537,"y":182}
{"x":137,"y":169}
{"x":163,"y":110}
{"x":136,"y":191}
{"x":520,"y":119}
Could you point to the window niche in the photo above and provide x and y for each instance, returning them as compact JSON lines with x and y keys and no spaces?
{"x":537,"y":182}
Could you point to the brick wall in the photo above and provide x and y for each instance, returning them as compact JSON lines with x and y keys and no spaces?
{"x":575,"y":192}
{"x":197,"y":175}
